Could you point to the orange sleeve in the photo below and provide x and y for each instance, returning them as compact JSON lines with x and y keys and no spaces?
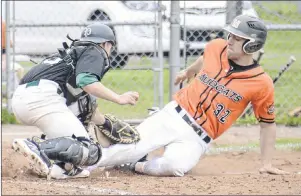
{"x":263,"y":104}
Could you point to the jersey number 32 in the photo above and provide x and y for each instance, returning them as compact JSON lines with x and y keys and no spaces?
{"x":221,"y":113}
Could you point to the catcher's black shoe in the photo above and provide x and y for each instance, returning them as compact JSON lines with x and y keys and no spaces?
{"x":130,"y":166}
{"x":126,"y":167}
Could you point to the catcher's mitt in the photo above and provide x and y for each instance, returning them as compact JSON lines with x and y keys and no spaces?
{"x":117,"y":131}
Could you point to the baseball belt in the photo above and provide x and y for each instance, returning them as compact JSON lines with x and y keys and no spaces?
{"x":198,"y":130}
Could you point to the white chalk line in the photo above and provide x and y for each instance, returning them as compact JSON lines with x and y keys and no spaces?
{"x":57,"y":183}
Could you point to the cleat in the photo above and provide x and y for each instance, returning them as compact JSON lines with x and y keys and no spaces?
{"x":38,"y":163}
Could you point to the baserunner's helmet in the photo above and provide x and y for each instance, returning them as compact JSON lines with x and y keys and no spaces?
{"x":98,"y":33}
{"x":250,"y":28}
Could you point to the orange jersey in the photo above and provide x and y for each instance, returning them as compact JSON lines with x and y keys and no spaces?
{"x":219,"y":94}
{"x":3,"y":35}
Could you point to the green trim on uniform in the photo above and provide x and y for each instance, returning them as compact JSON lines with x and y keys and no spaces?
{"x":33,"y":83}
{"x":84,"y":79}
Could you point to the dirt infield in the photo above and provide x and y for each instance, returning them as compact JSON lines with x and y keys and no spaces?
{"x":225,"y":173}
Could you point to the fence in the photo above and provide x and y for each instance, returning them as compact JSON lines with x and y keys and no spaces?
{"x":136,"y":60}
{"x":154,"y":44}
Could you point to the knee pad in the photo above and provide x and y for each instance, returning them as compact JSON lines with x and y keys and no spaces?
{"x":80,"y":152}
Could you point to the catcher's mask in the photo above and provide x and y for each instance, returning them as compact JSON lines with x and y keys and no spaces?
{"x":250,"y":28}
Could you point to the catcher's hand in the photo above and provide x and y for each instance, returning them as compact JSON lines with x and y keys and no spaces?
{"x":118,"y":131}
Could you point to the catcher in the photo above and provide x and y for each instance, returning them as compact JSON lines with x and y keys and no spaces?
{"x":59,"y":94}
{"x":227,"y":80}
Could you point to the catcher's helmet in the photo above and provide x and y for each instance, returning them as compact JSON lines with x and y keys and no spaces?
{"x":250,"y":28}
{"x":98,"y":33}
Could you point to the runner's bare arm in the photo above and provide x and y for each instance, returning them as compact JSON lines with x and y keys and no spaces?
{"x":267,"y":146}
{"x":99,"y":90}
{"x":190,"y":71}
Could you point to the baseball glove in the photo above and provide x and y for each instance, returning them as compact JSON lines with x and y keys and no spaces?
{"x":118,"y":131}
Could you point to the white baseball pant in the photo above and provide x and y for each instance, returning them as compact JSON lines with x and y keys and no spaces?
{"x":166,"y":128}
{"x":43,"y":107}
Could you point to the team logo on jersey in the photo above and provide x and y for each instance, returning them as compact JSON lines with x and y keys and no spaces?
{"x":271,"y":109}
{"x":87,"y":31}
{"x":234,"y":96}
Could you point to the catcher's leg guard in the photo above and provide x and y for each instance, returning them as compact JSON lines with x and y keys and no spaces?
{"x":79,"y":151}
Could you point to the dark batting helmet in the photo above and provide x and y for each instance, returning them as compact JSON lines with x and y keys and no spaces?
{"x":250,"y":28}
{"x":98,"y":33}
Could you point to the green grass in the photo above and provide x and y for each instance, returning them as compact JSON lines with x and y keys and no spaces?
{"x":7,"y":118}
{"x":280,"y":44}
{"x":288,"y":140}
{"x":27,"y":64}
{"x":286,"y":9}
{"x":279,"y":142}
{"x":132,"y":80}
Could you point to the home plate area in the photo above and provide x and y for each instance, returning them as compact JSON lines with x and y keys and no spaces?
{"x":224,"y":172}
